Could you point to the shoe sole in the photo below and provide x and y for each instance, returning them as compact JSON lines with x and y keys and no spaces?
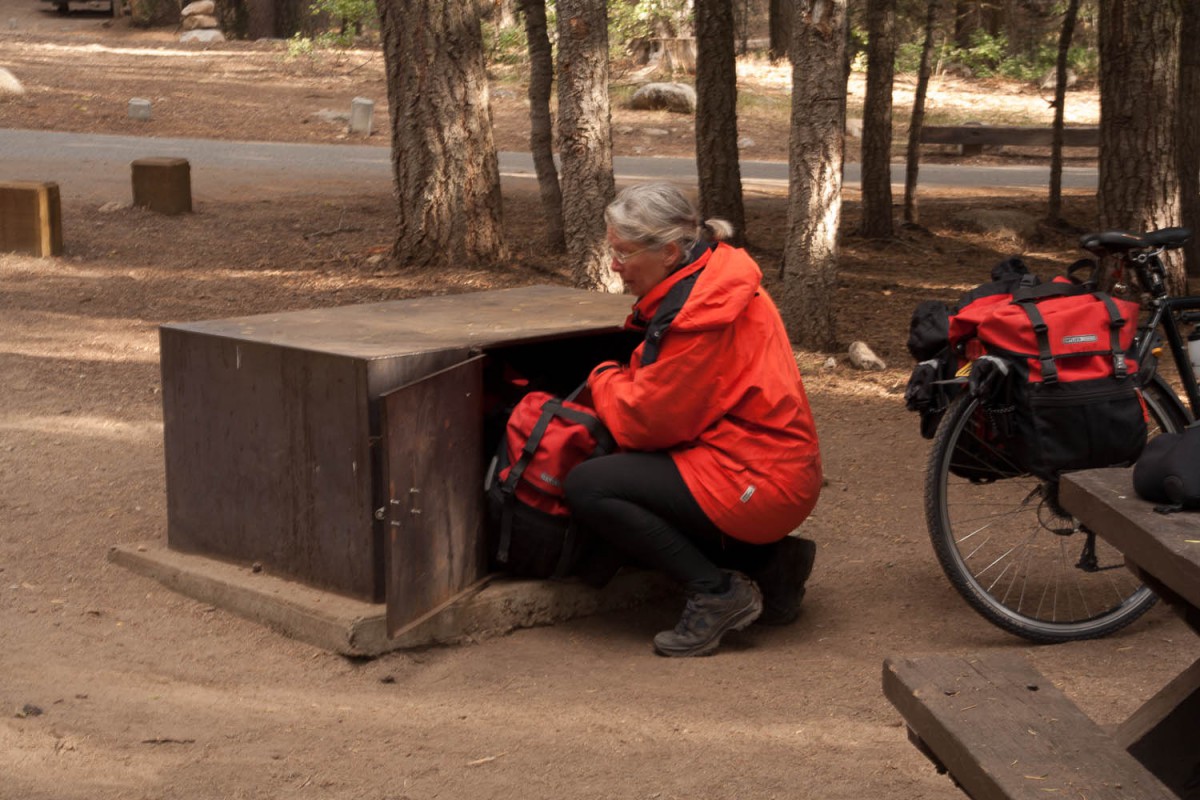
{"x":743,"y":621}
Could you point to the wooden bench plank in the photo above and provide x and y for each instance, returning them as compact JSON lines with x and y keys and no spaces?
{"x":1016,"y":135}
{"x":1003,"y":731}
{"x":972,"y":138}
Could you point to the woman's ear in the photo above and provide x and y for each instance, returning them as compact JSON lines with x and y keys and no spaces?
{"x":673,"y":255}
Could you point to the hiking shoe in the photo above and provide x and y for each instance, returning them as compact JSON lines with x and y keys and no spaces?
{"x":782,"y":580}
{"x":707,"y":617}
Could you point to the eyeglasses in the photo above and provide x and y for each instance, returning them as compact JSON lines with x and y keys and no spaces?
{"x":623,"y":258}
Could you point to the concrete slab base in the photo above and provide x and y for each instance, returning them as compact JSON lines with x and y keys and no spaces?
{"x":355,"y":628}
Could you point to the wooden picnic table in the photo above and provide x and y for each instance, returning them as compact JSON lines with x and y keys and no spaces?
{"x":972,"y":137}
{"x":1003,"y":731}
{"x":1164,"y":551}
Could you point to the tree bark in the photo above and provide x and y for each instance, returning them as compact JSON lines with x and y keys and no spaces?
{"x":502,"y":13}
{"x":291,"y":17}
{"x":1139,"y":83}
{"x":541,"y":123}
{"x":1054,"y":207}
{"x":1189,"y":133}
{"x":966,"y":22}
{"x":913,"y":158}
{"x":716,"y":116}
{"x":781,"y":15}
{"x":585,"y":139}
{"x":877,"y":121}
{"x":444,"y":159}
{"x":808,"y":287}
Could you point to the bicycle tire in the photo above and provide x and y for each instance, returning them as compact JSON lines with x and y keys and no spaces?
{"x":1011,"y":552}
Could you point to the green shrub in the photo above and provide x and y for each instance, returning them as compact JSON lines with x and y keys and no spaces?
{"x":633,"y":19}
{"x":989,"y":56}
{"x":348,"y":19}
{"x":505,"y":45}
{"x":300,"y":46}
{"x":1084,"y":60}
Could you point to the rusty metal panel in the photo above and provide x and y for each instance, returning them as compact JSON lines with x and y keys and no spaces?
{"x":267,"y":460}
{"x":433,"y":465}
{"x":272,"y":422}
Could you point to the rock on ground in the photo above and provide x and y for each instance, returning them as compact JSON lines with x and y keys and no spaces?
{"x":202,"y":35}
{"x":863,"y":357}
{"x":9,"y":83}
{"x":677,"y":97}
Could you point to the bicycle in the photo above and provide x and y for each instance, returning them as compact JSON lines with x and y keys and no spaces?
{"x":999,"y":533}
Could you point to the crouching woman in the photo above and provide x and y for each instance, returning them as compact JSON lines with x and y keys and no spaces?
{"x":719,"y":458}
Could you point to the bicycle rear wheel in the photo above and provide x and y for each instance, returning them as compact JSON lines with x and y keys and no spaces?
{"x":1008,"y":547}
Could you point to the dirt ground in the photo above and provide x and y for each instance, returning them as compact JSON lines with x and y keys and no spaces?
{"x":114,"y":687}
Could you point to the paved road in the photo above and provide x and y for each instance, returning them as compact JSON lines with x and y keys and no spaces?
{"x":96,"y":168}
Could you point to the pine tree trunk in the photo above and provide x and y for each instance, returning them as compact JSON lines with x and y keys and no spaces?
{"x":808,"y":287}
{"x":585,"y":138}
{"x":504,"y":13}
{"x":1139,"y":82}
{"x":913,"y":159}
{"x":877,"y":121}
{"x":444,"y":159}
{"x":1189,"y":133}
{"x":967,"y":20}
{"x":716,"y":116}
{"x":780,"y":20}
{"x":1054,"y":207}
{"x":291,"y":17}
{"x":541,"y":123}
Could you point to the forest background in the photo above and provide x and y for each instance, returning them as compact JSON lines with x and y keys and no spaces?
{"x":117,"y":687}
{"x":437,"y":71}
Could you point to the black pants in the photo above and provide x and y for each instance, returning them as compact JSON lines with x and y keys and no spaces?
{"x":639,"y":505}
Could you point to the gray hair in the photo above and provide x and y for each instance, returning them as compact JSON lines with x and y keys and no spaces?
{"x":657,"y":214}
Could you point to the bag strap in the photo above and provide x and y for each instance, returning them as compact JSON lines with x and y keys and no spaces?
{"x":604,"y":441}
{"x":550,"y":409}
{"x":576,"y":392}
{"x":1115,"y":323}
{"x":509,"y":487}
{"x":1032,"y":294}
{"x":567,"y":556}
{"x":1042,"y":332}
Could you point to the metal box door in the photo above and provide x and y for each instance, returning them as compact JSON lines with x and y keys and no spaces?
{"x":433,"y":466}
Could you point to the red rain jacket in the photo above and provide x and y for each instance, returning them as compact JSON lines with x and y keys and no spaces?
{"x":724,"y":399}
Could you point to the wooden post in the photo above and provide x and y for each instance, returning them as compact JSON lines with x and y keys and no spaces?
{"x":30,"y":218}
{"x":163,"y":185}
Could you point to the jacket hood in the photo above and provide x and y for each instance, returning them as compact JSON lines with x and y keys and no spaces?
{"x":729,"y":281}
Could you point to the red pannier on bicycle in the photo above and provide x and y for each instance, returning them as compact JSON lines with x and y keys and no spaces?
{"x":1056,"y":356}
{"x":942,"y":339}
{"x":1048,"y":362}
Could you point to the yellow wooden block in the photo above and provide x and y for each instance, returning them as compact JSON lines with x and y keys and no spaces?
{"x":30,"y":218}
